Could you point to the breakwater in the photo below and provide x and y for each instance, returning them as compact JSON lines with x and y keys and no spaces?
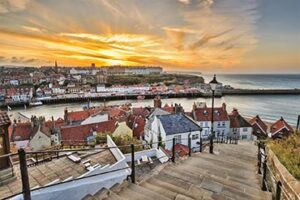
{"x":261,"y":92}
{"x":227,"y":92}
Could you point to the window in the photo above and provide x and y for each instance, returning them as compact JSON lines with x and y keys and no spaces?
{"x":177,"y":139}
{"x":244,"y":137}
{"x":245,"y":129}
{"x":223,"y":123}
{"x":195,"y":137}
{"x":219,"y":123}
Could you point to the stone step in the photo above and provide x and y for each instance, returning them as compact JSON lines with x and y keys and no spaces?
{"x":160,"y":190}
{"x":114,"y":196}
{"x":197,"y":179}
{"x":6,"y":176}
{"x":5,"y":171}
{"x":214,"y":173}
{"x":101,"y":194}
{"x":132,"y":194}
{"x":229,"y":160}
{"x":147,"y":192}
{"x":89,"y":197}
{"x":222,"y":171}
{"x":171,"y":185}
{"x":119,"y":187}
{"x":218,"y":185}
{"x":8,"y":180}
{"x":238,"y":171}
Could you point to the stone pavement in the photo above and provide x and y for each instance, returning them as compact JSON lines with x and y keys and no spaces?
{"x":228,"y":174}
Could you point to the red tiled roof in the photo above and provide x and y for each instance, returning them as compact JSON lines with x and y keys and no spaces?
{"x":189,"y":114}
{"x":280,"y":125}
{"x":116,"y":112}
{"x":137,"y":125}
{"x":4,"y":119}
{"x":144,"y":112}
{"x":21,"y":131}
{"x":81,"y":115}
{"x":181,"y":150}
{"x":170,"y":109}
{"x":205,"y":114}
{"x":237,"y":121}
{"x":72,"y":135}
{"x":257,"y":120}
{"x":58,"y":123}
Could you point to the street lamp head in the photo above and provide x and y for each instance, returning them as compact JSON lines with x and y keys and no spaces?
{"x":213,"y":84}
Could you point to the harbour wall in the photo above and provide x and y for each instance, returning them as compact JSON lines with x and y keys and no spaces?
{"x":227,"y":92}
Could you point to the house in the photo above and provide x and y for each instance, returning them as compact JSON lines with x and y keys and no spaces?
{"x":95,"y":118}
{"x":122,"y":130}
{"x":280,"y":129}
{"x":34,"y":135}
{"x":81,"y":134}
{"x":166,"y":127}
{"x":20,"y":135}
{"x":4,"y":147}
{"x":77,"y":117}
{"x":115,"y":113}
{"x":260,"y":129}
{"x":40,"y":138}
{"x":142,"y":111}
{"x":177,"y":108}
{"x":203,"y":116}
{"x":149,"y":119}
{"x":137,"y":125}
{"x":239,"y":127}
{"x":55,"y":126}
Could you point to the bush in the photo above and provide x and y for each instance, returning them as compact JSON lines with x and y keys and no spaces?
{"x":288,"y":152}
{"x":126,"y":141}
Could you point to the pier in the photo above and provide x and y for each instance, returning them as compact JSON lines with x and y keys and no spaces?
{"x":226,"y":92}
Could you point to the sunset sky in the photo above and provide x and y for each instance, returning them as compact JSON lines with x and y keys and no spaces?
{"x":222,"y":36}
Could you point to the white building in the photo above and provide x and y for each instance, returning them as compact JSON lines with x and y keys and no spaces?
{"x":166,"y":127}
{"x":203,"y":116}
{"x":14,"y":82}
{"x":150,"y":119}
{"x":240,"y":128}
{"x":97,"y":118}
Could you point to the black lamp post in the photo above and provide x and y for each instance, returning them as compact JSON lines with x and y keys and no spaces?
{"x":213,"y":84}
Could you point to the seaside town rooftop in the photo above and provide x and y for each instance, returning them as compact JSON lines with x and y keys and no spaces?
{"x":67,"y":166}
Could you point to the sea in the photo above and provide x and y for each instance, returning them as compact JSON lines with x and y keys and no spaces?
{"x":269,"y":107}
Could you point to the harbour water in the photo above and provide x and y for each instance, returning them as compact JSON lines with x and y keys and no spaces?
{"x":269,"y":107}
{"x":258,"y":81}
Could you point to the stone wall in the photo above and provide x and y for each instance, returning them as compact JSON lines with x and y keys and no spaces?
{"x":290,"y":185}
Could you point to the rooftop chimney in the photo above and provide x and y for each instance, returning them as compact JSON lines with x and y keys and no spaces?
{"x":157,"y":102}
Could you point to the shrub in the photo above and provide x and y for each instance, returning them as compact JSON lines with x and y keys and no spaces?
{"x":288,"y":152}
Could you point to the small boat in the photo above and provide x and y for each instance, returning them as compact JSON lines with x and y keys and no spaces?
{"x":35,"y":103}
{"x":140,"y":97}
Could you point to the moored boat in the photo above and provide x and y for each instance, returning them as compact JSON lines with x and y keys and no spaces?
{"x":35,"y":103}
{"x":140,"y":97}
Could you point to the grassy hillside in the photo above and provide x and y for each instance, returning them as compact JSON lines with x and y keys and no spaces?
{"x":288,"y":152}
{"x":155,"y":78}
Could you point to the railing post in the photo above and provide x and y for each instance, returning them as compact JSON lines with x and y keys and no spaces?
{"x":264,"y":186}
{"x":201,"y":144}
{"x":258,"y":160}
{"x":24,"y":174}
{"x":173,"y":151}
{"x":132,"y":164}
{"x":278,"y":190}
{"x":190,"y":145}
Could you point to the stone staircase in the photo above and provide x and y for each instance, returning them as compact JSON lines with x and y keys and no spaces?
{"x":6,"y":176}
{"x":228,"y":174}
